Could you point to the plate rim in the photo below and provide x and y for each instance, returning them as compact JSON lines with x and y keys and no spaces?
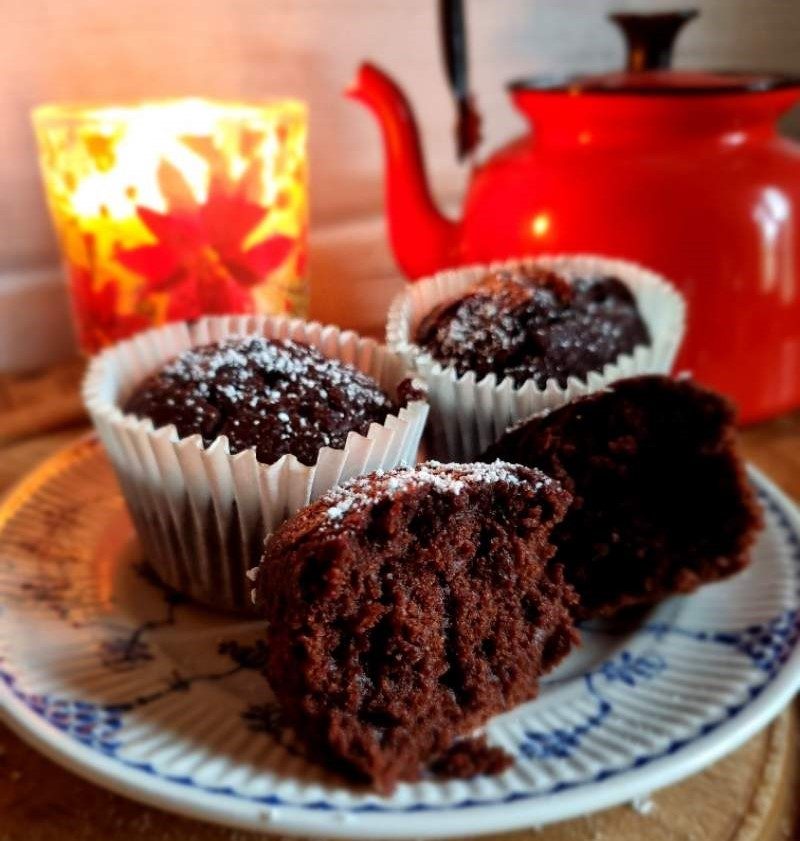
{"x":448,"y":821}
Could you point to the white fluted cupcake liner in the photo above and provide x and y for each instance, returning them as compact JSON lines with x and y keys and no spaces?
{"x":203,"y":513}
{"x":467,"y":413}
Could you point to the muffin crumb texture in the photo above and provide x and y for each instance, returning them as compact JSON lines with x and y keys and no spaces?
{"x":468,"y":758}
{"x":407,"y":607}
{"x":532,"y":323}
{"x":661,"y":500}
{"x":277,"y":396}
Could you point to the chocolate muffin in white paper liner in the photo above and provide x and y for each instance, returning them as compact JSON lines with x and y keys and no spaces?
{"x":201,"y":512}
{"x":469,"y":413}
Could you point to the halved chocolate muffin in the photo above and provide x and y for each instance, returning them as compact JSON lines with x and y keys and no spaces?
{"x":277,"y":396}
{"x":661,"y":502}
{"x":529,"y":322}
{"x":407,"y":607}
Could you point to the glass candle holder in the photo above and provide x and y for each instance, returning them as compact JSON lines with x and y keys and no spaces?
{"x":174,"y":209}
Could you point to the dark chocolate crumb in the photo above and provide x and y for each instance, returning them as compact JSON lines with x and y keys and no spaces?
{"x":661,"y":499}
{"x":470,"y":757}
{"x":405,"y":608}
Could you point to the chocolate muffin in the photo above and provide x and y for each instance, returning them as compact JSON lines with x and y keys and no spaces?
{"x":532,"y":323}
{"x":277,"y":396}
{"x":407,"y":607}
{"x":661,"y":503}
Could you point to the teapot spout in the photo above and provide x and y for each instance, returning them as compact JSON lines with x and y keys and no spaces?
{"x":422,"y":238}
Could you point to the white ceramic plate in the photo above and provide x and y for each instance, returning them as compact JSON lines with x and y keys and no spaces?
{"x":105,"y":673}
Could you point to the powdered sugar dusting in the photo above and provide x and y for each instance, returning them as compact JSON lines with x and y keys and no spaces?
{"x":278,"y":396}
{"x":286,"y":362}
{"x":452,"y":479}
{"x":533,"y":323}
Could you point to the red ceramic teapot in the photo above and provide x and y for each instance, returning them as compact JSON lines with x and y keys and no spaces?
{"x":684,"y":172}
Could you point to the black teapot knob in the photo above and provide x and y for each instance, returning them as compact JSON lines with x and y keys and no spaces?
{"x":650,"y":37}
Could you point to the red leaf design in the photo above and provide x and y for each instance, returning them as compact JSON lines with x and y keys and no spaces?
{"x":251,"y":182}
{"x":205,"y":148}
{"x":228,"y":220}
{"x":159,"y":264}
{"x":268,"y":255}
{"x":173,"y":230}
{"x":98,"y":319}
{"x":174,"y":187}
{"x":199,"y":251}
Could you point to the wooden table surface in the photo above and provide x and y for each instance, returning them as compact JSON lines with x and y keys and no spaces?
{"x":748,"y":796}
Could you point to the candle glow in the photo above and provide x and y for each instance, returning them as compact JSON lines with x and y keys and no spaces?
{"x":175,"y":209}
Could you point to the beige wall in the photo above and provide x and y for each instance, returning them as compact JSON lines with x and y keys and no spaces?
{"x":119,"y":49}
{"x":97,"y":49}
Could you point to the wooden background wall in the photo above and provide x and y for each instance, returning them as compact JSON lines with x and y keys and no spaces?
{"x":96,"y":49}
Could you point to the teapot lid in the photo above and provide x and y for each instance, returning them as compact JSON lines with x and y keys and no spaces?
{"x":650,"y":38}
{"x":660,"y":83}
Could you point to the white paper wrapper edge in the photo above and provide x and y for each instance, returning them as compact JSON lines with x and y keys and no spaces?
{"x":202,"y":513}
{"x":469,"y":414}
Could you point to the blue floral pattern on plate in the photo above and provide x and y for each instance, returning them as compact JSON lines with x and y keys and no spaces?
{"x":139,"y":679}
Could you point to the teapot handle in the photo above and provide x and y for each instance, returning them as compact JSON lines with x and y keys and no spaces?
{"x":650,"y":38}
{"x":453,"y":29}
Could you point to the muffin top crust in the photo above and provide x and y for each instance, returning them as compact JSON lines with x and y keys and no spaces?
{"x":345,"y":504}
{"x":277,"y":396}
{"x":532,"y":323}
